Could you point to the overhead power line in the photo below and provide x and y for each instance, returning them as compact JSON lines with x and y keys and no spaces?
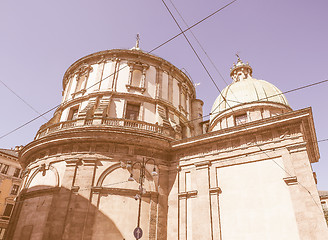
{"x":29,"y":105}
{"x":226,"y":99}
{"x":32,"y":120}
{"x":212,"y":14}
{"x":169,"y":40}
{"x":200,"y":45}
{"x":268,"y":97}
{"x":193,"y":49}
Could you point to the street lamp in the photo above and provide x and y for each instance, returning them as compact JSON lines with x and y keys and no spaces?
{"x":142,"y":191}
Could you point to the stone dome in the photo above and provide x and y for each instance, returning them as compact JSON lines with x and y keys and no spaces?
{"x":245,"y":90}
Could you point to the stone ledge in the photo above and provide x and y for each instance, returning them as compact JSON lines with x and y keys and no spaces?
{"x":291,"y":180}
{"x":25,"y":194}
{"x":202,"y":164}
{"x":215,"y":190}
{"x":123,"y":191}
{"x":188,"y":194}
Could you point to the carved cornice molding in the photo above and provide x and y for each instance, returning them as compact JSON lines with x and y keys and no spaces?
{"x":130,"y":87}
{"x":36,"y":193}
{"x":123,"y":192}
{"x":72,"y":162}
{"x":128,"y":55}
{"x":297,"y":147}
{"x":215,"y":190}
{"x":188,"y":194}
{"x":291,"y":180}
{"x":202,"y":165}
{"x":268,"y":124}
{"x":83,"y":70}
{"x":138,"y":65}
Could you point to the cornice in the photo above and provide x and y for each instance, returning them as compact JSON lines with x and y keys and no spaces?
{"x":9,"y":157}
{"x":125,"y":54}
{"x":94,"y":134}
{"x":256,"y":126}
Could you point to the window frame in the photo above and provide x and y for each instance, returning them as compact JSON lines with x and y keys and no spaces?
{"x":14,"y":189}
{"x":6,"y":217}
{"x":237,"y":119}
{"x":5,"y":169}
{"x":17,"y":170}
{"x":71,"y":114}
{"x":127,"y":110}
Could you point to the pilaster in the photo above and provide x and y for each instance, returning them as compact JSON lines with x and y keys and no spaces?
{"x":202,"y":209}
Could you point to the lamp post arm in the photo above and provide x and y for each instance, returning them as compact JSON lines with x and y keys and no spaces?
{"x":149,"y":161}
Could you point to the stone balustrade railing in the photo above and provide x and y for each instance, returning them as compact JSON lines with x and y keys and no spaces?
{"x":111,"y":122}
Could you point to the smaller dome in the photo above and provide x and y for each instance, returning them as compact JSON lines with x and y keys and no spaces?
{"x":246,"y":89}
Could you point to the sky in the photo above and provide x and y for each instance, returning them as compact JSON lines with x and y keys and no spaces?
{"x":284,"y":41}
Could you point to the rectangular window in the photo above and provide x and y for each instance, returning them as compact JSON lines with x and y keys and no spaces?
{"x":16,"y":173}
{"x":7,"y":212}
{"x":5,"y":169}
{"x":241,"y":119}
{"x":73,"y":113}
{"x":14,"y":189}
{"x":132,"y":111}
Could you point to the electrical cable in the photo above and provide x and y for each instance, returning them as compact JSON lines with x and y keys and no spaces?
{"x":169,"y":40}
{"x":225,"y":98}
{"x":200,"y":45}
{"x":289,"y":91}
{"x":29,"y":105}
{"x":193,"y":25}
{"x":32,"y":120}
{"x":193,"y":49}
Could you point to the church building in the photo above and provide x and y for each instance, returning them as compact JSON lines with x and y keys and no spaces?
{"x":127,"y":155}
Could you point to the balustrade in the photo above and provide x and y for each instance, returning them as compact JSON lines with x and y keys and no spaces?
{"x":111,"y":122}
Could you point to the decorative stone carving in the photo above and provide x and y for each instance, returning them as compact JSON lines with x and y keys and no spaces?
{"x":188,"y":194}
{"x":141,"y":67}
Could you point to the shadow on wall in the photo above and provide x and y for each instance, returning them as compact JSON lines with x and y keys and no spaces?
{"x":58,"y":213}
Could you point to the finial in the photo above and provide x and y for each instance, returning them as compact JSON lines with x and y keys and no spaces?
{"x":238,"y":56}
{"x":240,"y":70}
{"x":138,"y":40}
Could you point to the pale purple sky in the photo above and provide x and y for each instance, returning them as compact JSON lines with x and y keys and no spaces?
{"x":285,"y":42}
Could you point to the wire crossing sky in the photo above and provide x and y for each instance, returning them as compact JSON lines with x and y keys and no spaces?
{"x":284,"y":42}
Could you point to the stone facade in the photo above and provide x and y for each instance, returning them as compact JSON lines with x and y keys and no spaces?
{"x":10,"y":181}
{"x":324,"y":203}
{"x":234,"y":177}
